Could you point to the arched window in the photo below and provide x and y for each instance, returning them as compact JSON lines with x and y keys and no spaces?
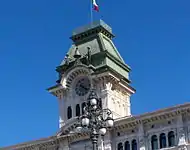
{"x":77,"y":110}
{"x":83,"y":105}
{"x":154,"y":142}
{"x":162,"y":140}
{"x":171,"y":139}
{"x":127,"y":145}
{"x":134,"y":145}
{"x":69,"y":112}
{"x":120,"y":146}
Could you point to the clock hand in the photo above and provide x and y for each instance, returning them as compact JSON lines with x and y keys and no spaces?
{"x":83,"y":87}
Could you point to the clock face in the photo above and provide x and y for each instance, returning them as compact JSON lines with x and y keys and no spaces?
{"x":82,"y":86}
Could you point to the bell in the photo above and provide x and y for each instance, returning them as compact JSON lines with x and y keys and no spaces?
{"x":77,"y":54}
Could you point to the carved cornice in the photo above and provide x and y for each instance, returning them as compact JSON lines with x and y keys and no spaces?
{"x":67,"y":79}
{"x":163,"y":114}
{"x":56,"y":90}
{"x":34,"y":144}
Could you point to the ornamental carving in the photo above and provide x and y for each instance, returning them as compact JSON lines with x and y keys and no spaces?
{"x":108,"y":86}
{"x":181,"y":136}
{"x":141,"y":142}
{"x":182,"y":147}
{"x":107,"y":147}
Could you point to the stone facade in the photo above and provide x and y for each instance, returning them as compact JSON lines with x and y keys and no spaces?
{"x":94,"y":60}
{"x":133,"y":133}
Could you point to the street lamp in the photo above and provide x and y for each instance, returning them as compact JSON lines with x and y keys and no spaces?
{"x":95,"y":119}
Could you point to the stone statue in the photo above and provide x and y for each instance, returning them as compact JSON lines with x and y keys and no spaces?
{"x":67,"y":59}
{"x":181,"y":137}
{"x":88,"y":56}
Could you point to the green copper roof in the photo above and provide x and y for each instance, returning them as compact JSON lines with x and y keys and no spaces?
{"x":98,"y":38}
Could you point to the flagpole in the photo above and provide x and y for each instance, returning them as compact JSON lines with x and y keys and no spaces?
{"x":91,"y":12}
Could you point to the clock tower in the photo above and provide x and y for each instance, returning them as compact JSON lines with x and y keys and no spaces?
{"x":92,"y":62}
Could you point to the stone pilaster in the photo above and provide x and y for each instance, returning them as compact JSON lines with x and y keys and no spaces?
{"x":64,"y":145}
{"x":108,"y":141}
{"x":101,"y":143}
{"x":188,"y":133}
{"x":141,"y":137}
{"x":181,"y":131}
{"x":61,"y":110}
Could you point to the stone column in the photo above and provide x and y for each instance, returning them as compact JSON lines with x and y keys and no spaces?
{"x":141,"y":137}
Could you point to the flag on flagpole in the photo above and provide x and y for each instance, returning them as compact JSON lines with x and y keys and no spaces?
{"x":95,"y":5}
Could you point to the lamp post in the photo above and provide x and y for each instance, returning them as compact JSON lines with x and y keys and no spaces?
{"x":95,"y":119}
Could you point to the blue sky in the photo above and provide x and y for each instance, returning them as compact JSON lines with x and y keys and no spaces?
{"x":152,"y":36}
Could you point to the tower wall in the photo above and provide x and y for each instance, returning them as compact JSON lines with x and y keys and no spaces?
{"x":114,"y":97}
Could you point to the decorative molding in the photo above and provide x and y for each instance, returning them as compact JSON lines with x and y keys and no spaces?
{"x":182,"y":147}
{"x":133,"y":121}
